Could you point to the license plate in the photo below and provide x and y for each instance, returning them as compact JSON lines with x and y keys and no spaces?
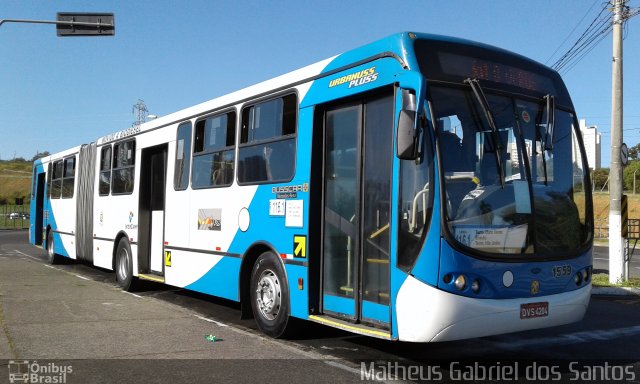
{"x":533,"y":310}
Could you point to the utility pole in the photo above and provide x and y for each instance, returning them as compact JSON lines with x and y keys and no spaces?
{"x":616,"y":242}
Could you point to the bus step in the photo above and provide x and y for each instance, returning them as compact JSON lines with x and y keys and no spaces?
{"x":156,"y":278}
{"x":346,"y":289}
{"x":378,"y":261}
{"x":355,"y":328}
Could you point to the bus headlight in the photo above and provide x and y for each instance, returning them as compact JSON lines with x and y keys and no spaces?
{"x":460,"y":283}
{"x":578,"y":278}
{"x":586,"y":274}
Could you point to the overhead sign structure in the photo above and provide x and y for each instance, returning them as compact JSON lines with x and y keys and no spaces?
{"x":85,"y":24}
{"x":77,"y":24}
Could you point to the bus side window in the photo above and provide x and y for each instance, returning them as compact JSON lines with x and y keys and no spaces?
{"x":56,"y":183}
{"x":183,"y":157}
{"x":105,"y":171}
{"x":49,"y":178}
{"x":214,"y":151}
{"x":68,"y":177}
{"x":124,"y":162}
{"x":267,"y":141}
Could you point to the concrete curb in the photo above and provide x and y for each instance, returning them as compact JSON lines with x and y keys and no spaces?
{"x":615,"y":291}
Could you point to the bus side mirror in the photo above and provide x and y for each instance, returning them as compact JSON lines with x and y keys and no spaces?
{"x":406,"y":132}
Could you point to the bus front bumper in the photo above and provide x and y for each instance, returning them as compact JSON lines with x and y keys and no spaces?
{"x":427,"y":314}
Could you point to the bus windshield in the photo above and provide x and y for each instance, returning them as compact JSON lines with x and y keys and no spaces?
{"x":514,"y":179}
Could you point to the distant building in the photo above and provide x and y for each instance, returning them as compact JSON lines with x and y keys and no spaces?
{"x":592,"y":144}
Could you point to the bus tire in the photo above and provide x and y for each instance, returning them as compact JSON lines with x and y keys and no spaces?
{"x":124,"y":265}
{"x":52,"y":258}
{"x":270,"y":295}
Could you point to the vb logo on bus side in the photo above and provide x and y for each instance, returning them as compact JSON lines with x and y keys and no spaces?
{"x":167,"y":258}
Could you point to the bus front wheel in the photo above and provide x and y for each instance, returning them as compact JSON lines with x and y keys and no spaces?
{"x":270,"y":295}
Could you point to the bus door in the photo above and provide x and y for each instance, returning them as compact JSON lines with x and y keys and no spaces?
{"x":358,"y":154}
{"x":38,"y":220}
{"x":151,"y":210}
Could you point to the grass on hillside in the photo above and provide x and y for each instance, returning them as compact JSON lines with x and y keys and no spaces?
{"x":15,"y":181}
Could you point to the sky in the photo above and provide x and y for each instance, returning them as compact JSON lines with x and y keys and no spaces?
{"x":59,"y":92}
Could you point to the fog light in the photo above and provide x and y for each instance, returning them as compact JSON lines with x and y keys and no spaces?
{"x":461,"y":282}
{"x":578,"y":278}
{"x":475,"y":286}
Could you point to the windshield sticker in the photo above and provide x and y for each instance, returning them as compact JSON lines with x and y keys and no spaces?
{"x":526,"y":117}
{"x":356,"y":79}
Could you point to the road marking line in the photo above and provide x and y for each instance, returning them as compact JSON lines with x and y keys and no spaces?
{"x":569,"y":338}
{"x":211,"y":321}
{"x":82,"y":277}
{"x":600,"y":258}
{"x":132,"y":294}
{"x":29,"y":256}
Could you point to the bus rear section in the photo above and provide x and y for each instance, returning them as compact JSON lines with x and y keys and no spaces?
{"x":62,"y":204}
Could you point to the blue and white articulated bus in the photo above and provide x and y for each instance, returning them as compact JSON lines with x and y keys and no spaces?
{"x":419,"y":188}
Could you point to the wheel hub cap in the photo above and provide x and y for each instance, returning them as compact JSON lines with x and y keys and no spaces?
{"x":268,"y":295}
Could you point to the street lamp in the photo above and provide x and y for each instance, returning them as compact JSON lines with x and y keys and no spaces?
{"x":77,"y":24}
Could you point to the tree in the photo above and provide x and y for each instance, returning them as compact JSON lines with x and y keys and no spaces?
{"x":627,"y":175}
{"x":40,"y":155}
{"x":599,"y":178}
{"x":634,"y":152}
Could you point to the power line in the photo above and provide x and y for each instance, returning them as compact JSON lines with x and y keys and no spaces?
{"x":595,"y":32}
{"x":599,"y":28}
{"x":571,"y":33}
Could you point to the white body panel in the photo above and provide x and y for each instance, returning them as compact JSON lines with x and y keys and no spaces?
{"x":428,"y":314}
{"x":157,"y":229}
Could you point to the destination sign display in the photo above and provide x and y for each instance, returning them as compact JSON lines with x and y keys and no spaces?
{"x":481,"y":69}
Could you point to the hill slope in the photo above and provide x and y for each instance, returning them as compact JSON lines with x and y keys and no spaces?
{"x":15,"y":181}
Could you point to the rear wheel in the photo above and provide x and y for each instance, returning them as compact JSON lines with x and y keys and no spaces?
{"x":52,"y":258}
{"x":124,"y":265}
{"x":270,"y":295}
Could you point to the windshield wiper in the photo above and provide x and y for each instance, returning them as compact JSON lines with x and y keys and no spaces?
{"x":547,"y":139}
{"x":551,"y":122}
{"x":495,"y":138}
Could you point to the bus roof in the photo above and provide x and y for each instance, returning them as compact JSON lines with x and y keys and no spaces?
{"x":397,"y":45}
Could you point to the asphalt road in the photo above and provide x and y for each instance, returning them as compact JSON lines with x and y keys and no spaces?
{"x":73,"y":315}
{"x":601,"y":260}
